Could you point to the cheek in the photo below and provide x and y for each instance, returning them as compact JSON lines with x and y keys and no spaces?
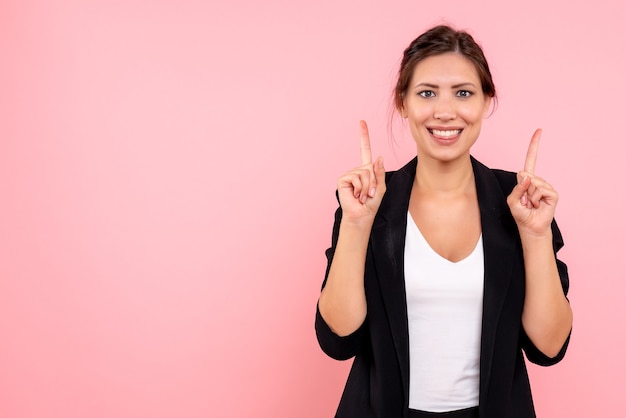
{"x":419,"y":114}
{"x":472,"y":114}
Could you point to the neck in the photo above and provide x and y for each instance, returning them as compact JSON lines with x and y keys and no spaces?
{"x":450,"y":177}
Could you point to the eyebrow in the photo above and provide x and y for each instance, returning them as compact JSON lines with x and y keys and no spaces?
{"x":456,"y":86}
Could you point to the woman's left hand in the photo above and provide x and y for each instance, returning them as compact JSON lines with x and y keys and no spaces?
{"x":533,"y":201}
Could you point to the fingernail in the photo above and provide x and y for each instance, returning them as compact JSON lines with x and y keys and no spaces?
{"x":524,"y":200}
{"x":372,"y":192}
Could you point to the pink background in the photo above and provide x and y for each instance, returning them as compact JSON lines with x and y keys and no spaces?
{"x":167,"y":175}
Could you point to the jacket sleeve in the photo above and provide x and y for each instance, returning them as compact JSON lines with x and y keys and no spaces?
{"x":532,"y":352}
{"x":335,"y":346}
{"x":508,"y":180}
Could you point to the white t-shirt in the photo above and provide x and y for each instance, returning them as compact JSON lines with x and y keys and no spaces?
{"x":444,"y":305}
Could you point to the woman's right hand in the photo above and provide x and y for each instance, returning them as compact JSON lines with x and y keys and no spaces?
{"x":362,"y":189}
{"x":343,"y":304}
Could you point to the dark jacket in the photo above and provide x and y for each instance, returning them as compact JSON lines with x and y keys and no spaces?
{"x":378,"y":384}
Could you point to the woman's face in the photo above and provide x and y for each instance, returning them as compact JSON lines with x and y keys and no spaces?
{"x":444,"y":106}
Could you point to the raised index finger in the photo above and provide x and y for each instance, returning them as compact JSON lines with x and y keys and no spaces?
{"x":366,"y":150}
{"x":531,"y":155}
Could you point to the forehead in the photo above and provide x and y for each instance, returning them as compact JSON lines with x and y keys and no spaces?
{"x":451,"y":68}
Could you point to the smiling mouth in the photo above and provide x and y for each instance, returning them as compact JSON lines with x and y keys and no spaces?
{"x":449,"y":133}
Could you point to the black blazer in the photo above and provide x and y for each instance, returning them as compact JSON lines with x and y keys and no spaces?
{"x":378,"y":384}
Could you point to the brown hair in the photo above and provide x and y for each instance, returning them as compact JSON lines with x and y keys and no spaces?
{"x":436,"y":41}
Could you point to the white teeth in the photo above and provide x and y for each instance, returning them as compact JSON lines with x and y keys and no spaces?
{"x":446,"y":133}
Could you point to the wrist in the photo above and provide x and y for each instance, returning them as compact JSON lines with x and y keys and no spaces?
{"x":531,"y":237}
{"x":361,"y":223}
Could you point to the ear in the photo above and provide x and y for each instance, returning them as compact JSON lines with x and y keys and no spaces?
{"x":403,"y":111}
{"x":402,"y":108}
{"x":488,"y":103}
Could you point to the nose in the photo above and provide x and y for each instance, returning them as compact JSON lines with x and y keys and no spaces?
{"x":444,"y":109}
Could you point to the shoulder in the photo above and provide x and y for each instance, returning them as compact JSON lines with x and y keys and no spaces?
{"x":507,"y":180}
{"x":406,"y":171}
{"x":401,"y":177}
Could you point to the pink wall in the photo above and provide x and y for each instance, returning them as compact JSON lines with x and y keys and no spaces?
{"x":167,"y":171}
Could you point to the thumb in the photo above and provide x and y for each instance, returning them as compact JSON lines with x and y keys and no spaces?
{"x":518,"y":193}
{"x":379,"y":172}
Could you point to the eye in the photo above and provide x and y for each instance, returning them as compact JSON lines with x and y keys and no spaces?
{"x":464,"y":93}
{"x":427,"y":94}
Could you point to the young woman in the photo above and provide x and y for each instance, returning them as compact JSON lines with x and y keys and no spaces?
{"x":441,"y":273}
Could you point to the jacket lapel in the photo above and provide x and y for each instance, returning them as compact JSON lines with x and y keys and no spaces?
{"x":387,"y":241}
{"x":499,"y":250}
